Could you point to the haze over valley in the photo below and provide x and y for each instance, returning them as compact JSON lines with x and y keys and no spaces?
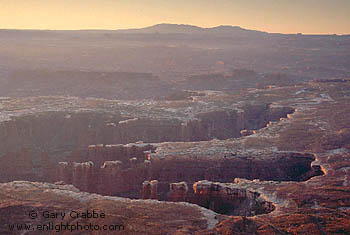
{"x":168,"y":56}
{"x":174,"y":128}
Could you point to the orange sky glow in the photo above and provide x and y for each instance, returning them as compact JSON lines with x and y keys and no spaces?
{"x":297,"y":16}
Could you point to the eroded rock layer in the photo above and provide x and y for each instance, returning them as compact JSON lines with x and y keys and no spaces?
{"x":292,"y":174}
{"x":121,"y":215}
{"x":123,"y":175}
{"x":29,"y":130}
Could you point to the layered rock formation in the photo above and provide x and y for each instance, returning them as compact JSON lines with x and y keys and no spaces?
{"x":83,"y":175}
{"x":122,"y":216}
{"x":124,"y":177}
{"x":230,"y":199}
{"x":178,"y":192}
{"x":53,"y":130}
{"x":17,"y":165}
{"x":150,"y":190}
{"x":296,"y":167}
{"x":74,"y":124}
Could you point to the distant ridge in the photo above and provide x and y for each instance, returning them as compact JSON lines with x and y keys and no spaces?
{"x":188,"y":29}
{"x":166,"y":28}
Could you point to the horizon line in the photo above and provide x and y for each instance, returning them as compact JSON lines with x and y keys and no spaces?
{"x":173,"y":24}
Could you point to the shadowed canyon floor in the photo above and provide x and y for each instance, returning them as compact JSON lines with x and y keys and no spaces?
{"x":263,"y":161}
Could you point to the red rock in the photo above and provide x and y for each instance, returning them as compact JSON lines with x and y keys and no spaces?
{"x":178,"y":192}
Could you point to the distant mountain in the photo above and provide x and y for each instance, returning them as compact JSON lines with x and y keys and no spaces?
{"x":163,"y":28}
{"x":169,"y":28}
{"x":189,"y":29}
{"x":232,"y":29}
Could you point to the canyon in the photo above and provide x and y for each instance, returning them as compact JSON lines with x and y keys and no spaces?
{"x":174,"y":129}
{"x":41,"y":139}
{"x":51,"y":146}
{"x":241,"y":160}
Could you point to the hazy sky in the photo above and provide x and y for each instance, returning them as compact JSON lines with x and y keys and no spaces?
{"x":286,"y":16}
